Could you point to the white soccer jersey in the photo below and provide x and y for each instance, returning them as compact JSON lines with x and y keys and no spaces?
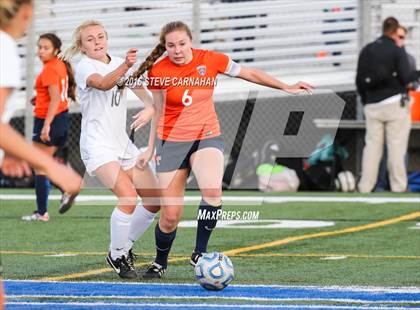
{"x":104,"y":113}
{"x":9,"y":72}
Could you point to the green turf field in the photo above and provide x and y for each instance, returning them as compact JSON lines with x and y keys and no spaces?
{"x":369,"y":244}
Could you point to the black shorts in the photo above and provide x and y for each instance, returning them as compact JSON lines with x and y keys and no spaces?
{"x":58,"y":130}
{"x":176,"y":155}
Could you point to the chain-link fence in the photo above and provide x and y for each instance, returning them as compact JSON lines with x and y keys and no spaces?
{"x":332,"y":28}
{"x":257,"y":137}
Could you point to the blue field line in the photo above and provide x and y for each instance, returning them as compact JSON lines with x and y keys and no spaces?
{"x":177,"y":306}
{"x":92,"y":289}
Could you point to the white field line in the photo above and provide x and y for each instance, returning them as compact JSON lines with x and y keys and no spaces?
{"x":97,"y":199}
{"x":375,"y":289}
{"x":196,"y":305}
{"x":193,"y":297}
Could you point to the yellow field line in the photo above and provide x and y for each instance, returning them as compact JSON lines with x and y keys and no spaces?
{"x":329,"y":255}
{"x":99,"y":271}
{"x":77,"y":275}
{"x":48,"y":253}
{"x":390,"y":221}
{"x":237,"y":251}
{"x":7,"y":252}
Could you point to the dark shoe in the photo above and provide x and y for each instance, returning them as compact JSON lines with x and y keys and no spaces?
{"x":195,"y":256}
{"x":122,"y":267}
{"x":154,"y":271}
{"x":67,"y":201}
{"x":131,"y":258}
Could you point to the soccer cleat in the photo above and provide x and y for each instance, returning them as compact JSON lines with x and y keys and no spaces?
{"x":67,"y":201}
{"x":36,"y":217}
{"x":122,"y":267}
{"x":131,"y":258}
{"x":195,"y":256}
{"x":154,"y":271}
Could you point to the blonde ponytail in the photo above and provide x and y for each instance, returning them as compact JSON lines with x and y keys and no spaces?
{"x":68,"y":53}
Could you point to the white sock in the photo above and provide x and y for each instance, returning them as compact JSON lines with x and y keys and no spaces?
{"x":120,"y":225}
{"x":142,"y":218}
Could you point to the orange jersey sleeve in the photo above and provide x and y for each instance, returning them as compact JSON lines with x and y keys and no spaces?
{"x":219,"y":61}
{"x":189,"y":112}
{"x":54,"y":72}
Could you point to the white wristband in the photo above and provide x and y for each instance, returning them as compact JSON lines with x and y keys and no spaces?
{"x":233,"y":69}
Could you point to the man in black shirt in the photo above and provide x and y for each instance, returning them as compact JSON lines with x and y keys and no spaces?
{"x":383,"y":78}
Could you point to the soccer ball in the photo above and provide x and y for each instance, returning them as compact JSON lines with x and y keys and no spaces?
{"x":345,"y":182}
{"x":214,"y":271}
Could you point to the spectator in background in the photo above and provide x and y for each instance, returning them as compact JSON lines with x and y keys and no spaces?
{"x":383,"y":76}
{"x":383,"y":179}
{"x":54,"y":85}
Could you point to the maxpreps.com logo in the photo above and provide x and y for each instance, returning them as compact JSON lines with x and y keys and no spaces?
{"x":201,"y":70}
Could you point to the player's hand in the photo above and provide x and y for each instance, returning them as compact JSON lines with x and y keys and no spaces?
{"x":131,"y":57}
{"x":64,"y":177}
{"x":15,"y":168}
{"x":45,"y":133}
{"x":142,"y":118}
{"x":300,"y":88}
{"x":144,"y":158}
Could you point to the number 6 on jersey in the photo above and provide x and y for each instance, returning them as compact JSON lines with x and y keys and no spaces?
{"x":187,"y":99}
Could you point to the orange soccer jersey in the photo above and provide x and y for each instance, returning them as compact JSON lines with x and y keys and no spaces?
{"x":54,"y":72}
{"x":189,"y":112}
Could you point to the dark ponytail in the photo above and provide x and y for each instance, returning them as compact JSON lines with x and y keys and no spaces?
{"x":71,"y":92}
{"x":150,"y":60}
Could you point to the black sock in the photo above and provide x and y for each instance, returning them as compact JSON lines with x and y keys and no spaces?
{"x":42,"y":190}
{"x":163,"y":245}
{"x":207,"y":220}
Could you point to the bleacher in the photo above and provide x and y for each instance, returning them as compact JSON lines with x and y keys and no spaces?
{"x":317,"y":41}
{"x":286,"y":38}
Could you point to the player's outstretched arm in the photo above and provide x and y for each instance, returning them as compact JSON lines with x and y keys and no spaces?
{"x":1,"y":295}
{"x":15,"y":145}
{"x":145,"y":157}
{"x":9,"y":165}
{"x":15,"y":167}
{"x":110,"y":80}
{"x":262,"y":78}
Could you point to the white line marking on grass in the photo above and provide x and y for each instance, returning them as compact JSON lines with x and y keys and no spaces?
{"x":236,"y":199}
{"x":179,"y":255}
{"x":61,"y":255}
{"x":333,"y":257}
{"x":197,"y":305}
{"x":415,"y":227}
{"x":193,"y":297}
{"x":371,"y":200}
{"x":257,"y":224}
{"x":376,"y":289}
